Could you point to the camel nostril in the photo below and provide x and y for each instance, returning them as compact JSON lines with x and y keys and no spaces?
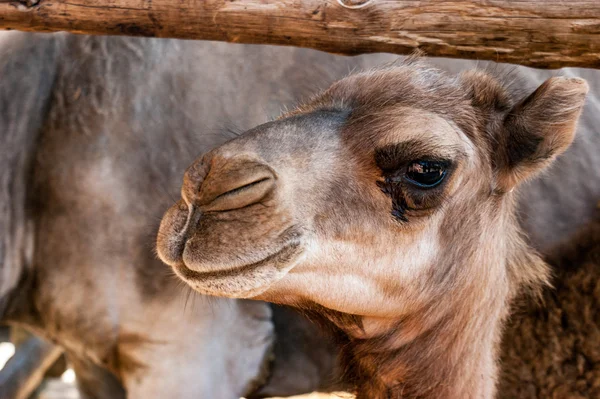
{"x":241,"y":187}
{"x":246,"y":187}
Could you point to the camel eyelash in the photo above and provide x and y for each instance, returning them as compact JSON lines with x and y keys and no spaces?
{"x":419,"y":193}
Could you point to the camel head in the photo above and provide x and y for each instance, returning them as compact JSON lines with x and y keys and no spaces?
{"x":388,"y":193}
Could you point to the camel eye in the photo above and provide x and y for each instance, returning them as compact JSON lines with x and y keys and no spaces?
{"x":426,"y":174}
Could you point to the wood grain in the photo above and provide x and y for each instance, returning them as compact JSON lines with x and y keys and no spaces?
{"x":539,"y":33}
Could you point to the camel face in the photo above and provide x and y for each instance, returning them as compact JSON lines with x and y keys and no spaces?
{"x":299,"y":194}
{"x":369,"y":199}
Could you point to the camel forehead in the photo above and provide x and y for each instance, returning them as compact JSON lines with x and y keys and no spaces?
{"x":416,"y":85}
{"x":377,"y":104}
{"x":409,"y":124}
{"x":405,"y":123}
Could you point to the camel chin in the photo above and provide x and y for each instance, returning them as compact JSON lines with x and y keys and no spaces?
{"x":246,"y":281}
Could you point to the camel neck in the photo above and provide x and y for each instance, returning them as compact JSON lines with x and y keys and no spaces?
{"x":447,"y":355}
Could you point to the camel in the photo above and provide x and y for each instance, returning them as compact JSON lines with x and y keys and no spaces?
{"x":385,"y":208}
{"x":89,"y":128}
{"x":550,"y":346}
{"x":95,"y":133}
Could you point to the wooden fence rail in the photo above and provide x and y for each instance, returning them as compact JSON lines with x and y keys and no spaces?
{"x":538,"y":33}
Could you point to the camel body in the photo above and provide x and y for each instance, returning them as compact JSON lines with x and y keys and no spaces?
{"x":549,"y":349}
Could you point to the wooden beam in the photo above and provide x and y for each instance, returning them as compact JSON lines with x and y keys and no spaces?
{"x":25,"y":370}
{"x":538,"y":33}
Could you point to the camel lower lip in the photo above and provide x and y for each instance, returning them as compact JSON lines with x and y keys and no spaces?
{"x":249,"y":280}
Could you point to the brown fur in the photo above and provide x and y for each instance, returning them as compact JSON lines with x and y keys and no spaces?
{"x":550,"y":349}
{"x":429,"y":333}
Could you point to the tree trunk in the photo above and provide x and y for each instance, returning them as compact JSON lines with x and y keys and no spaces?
{"x":539,"y":33}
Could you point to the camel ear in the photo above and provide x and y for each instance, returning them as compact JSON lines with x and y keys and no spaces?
{"x":538,"y":129}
